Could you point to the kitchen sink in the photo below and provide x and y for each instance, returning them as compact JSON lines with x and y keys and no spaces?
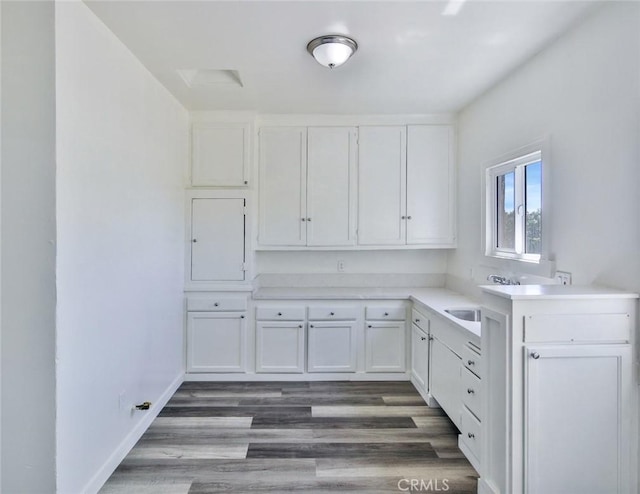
{"x":465,"y":314}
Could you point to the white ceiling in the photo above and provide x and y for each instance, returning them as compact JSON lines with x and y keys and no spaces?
{"x":411,"y":58}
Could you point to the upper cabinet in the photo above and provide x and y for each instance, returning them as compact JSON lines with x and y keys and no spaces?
{"x":382,"y":186}
{"x":406,"y":186}
{"x":220,"y":154}
{"x":366,"y":187}
{"x":307,"y":186}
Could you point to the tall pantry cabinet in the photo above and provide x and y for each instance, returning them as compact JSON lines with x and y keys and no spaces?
{"x":217,"y":248}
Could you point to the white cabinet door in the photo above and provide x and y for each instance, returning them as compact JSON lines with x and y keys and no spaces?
{"x":283,"y":179}
{"x":445,"y":380}
{"x":578,"y":407}
{"x":430,"y":185}
{"x":280,"y":347}
{"x":331,"y":155}
{"x":220,"y":154}
{"x":215,"y":342}
{"x":217,"y":239}
{"x":420,"y":357}
{"x":385,"y":346}
{"x":332,"y":346}
{"x":382,"y":186}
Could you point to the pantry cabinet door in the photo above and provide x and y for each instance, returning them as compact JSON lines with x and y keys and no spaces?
{"x":382,"y":185}
{"x":283,"y":178}
{"x":430,"y":185}
{"x":331,"y":155}
{"x":217,"y":239}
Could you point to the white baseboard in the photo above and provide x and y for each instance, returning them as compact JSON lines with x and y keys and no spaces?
{"x":250,"y":377}
{"x":101,"y":476}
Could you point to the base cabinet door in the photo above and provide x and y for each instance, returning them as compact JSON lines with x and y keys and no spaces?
{"x":420,"y":357}
{"x":332,"y":347}
{"x":445,"y":379}
{"x":578,"y":407}
{"x":385,"y":346}
{"x":280,"y":346}
{"x":215,"y":342}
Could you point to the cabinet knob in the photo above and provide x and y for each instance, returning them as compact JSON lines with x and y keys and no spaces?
{"x":430,"y":338}
{"x":408,"y":217}
{"x":246,"y":182}
{"x":470,"y":435}
{"x":216,"y":304}
{"x":386,"y":313}
{"x":422,"y":338}
{"x":535,"y":355}
{"x":369,"y":326}
{"x":308,"y":219}
{"x":241,"y":317}
{"x":304,"y":219}
{"x":194,"y":240}
{"x":279,"y":313}
{"x":470,"y":362}
{"x":331,"y":314}
{"x":300,"y":326}
{"x":470,"y":391}
{"x":417,"y":320}
{"x":403,"y":217}
{"x":310,"y":325}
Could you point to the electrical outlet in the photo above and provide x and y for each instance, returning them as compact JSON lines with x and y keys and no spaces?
{"x":340,"y":266}
{"x":563,"y":278}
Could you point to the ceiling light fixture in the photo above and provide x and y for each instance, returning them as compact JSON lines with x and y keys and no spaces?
{"x":332,"y":51}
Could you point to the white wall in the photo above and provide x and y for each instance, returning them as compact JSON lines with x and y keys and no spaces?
{"x":373,"y":261}
{"x":28,"y":248}
{"x":122,"y":148}
{"x":584,"y":92}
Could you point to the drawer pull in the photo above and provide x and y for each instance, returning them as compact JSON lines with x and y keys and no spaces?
{"x":369,"y":326}
{"x":417,"y":320}
{"x":471,"y":435}
{"x":216,"y":304}
{"x":470,"y":391}
{"x":535,"y":355}
{"x":422,"y":338}
{"x":470,"y":362}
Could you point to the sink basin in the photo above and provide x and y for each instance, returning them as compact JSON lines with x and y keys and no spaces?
{"x":465,"y":314}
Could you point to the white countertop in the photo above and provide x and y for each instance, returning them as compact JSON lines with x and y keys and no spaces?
{"x":436,"y":299}
{"x":542,"y":292}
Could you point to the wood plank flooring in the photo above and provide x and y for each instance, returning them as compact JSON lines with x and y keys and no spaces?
{"x":293,"y":437}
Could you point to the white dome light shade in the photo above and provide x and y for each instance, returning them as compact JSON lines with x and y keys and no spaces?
{"x":332,"y":51}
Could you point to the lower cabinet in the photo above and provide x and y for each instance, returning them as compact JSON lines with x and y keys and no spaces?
{"x":420,"y":358}
{"x":332,"y":346}
{"x":576,"y":404}
{"x":385,"y":346}
{"x":280,"y":346}
{"x":445,"y":379}
{"x":216,"y":342}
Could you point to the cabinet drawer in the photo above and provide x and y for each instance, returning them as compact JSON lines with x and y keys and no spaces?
{"x":471,"y":396}
{"x":280,"y":313}
{"x":328,"y":313}
{"x":420,"y":320}
{"x":207,"y":304}
{"x":583,"y":328}
{"x":472,"y":360}
{"x":385,"y":313}
{"x":470,"y":432}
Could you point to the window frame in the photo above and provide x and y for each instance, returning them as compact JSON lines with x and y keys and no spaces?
{"x":516,"y":161}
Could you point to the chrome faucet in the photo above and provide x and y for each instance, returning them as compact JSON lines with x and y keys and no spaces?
{"x":501,"y":280}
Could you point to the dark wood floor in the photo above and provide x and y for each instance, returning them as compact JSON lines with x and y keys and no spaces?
{"x":324,"y":437}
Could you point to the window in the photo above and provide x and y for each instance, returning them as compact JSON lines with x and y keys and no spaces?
{"x":514,"y":208}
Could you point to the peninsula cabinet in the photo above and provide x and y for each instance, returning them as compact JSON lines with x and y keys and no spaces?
{"x":406,"y":181}
{"x":307,"y":193}
{"x":220,"y":154}
{"x":559,"y":413}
